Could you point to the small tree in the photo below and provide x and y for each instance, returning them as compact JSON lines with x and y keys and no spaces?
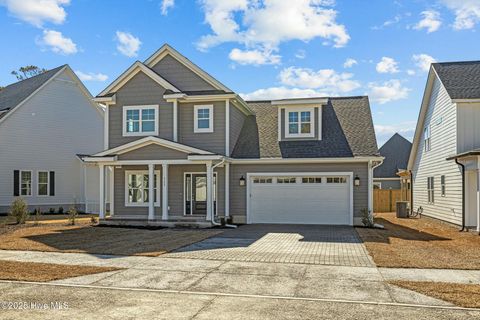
{"x":27,"y":71}
{"x":19,"y":210}
{"x":72,"y":215}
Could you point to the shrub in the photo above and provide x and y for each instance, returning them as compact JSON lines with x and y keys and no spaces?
{"x":72,"y":215}
{"x":19,"y":210}
{"x":60,"y":210}
{"x":38,"y":215}
{"x":51,"y":211}
{"x":367,"y":218}
{"x":93,"y":220}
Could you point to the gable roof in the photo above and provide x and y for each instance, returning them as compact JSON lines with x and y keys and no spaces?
{"x":347,"y":131}
{"x":396,"y":152}
{"x":460,"y":79}
{"x":12,"y":95}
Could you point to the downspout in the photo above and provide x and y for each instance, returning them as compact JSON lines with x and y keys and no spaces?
{"x":411,"y":190}
{"x":371,"y":183}
{"x":463,"y":193}
{"x":213,"y":215}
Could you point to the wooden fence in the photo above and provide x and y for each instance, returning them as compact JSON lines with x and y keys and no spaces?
{"x":384,"y":200}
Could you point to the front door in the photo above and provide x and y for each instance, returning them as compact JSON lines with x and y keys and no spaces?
{"x":196,"y":193}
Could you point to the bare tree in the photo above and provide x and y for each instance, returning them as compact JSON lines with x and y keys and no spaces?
{"x":27,"y":71}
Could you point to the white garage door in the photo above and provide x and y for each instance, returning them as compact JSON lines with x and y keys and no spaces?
{"x":300,"y":199}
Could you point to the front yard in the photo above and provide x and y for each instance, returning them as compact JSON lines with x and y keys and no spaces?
{"x":83,"y":237}
{"x":420,"y":243}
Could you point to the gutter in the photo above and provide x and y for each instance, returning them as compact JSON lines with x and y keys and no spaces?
{"x":463,"y":193}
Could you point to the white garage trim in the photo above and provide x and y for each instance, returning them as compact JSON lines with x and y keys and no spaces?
{"x":286,"y":174}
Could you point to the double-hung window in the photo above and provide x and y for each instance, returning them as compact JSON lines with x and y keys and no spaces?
{"x":203,"y":118}
{"x":140,"y":120}
{"x":426,"y":138}
{"x":443,"y":185}
{"x":25,"y":183}
{"x":136,"y":188}
{"x":299,"y":123}
{"x":430,"y":190}
{"x":43,"y":183}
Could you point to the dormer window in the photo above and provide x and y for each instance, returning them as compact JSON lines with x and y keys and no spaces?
{"x":140,"y":120}
{"x":300,"y":123}
{"x":203,"y":118}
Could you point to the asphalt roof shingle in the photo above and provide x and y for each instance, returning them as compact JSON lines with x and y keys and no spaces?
{"x":347,"y":131}
{"x":461,"y":79}
{"x":13,"y":94}
{"x":396,"y":152}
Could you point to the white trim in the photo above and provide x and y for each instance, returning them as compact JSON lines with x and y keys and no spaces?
{"x":175,"y":120}
{"x":227,"y":127}
{"x":320,"y":109}
{"x":147,"y":141}
{"x":299,"y":111}
{"x":227,"y":189}
{"x":191,"y":190}
{"x":387,"y":179}
{"x":140,"y":108}
{"x":210,"y":213}
{"x":166,"y":49}
{"x":304,"y":101}
{"x":141,"y":172}
{"x":196,"y":157}
{"x":202,"y":97}
{"x":106,"y":124}
{"x":106,"y":100}
{"x":20,"y":184}
{"x":131,"y":72}
{"x":48,"y":184}
{"x":101,"y":198}
{"x":465,"y":100}
{"x":99,"y":159}
{"x":151,"y":192}
{"x":279,"y":123}
{"x":197,"y":107}
{"x":112,"y":191}
{"x":304,"y":160}
{"x":376,"y":183}
{"x":164,"y":191}
{"x":286,"y":174}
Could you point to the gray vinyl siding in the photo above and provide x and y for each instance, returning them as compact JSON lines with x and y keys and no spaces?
{"x":389,"y":184}
{"x":238,"y":194}
{"x":283,"y":123}
{"x":433,"y":163}
{"x":140,"y":90}
{"x":175,"y":191}
{"x":180,"y":76}
{"x":214,"y":141}
{"x":468,"y":128}
{"x":237,"y":118}
{"x":153,"y":152}
{"x":46,"y":133}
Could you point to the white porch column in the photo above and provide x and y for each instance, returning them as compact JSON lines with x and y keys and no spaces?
{"x":370,"y":187}
{"x":478,"y":200}
{"x":227,"y":189}
{"x":101,"y":212}
{"x":164,"y":191}
{"x":111,"y":190}
{"x":151,"y":192}
{"x":175,"y":120}
{"x":209,"y":191}
{"x":227,"y":127}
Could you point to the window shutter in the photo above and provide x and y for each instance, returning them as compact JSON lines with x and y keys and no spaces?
{"x":16,"y":183}
{"x":52,"y":183}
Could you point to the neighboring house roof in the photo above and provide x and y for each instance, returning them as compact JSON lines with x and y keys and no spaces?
{"x":14,"y":94}
{"x":396,"y":152}
{"x":347,"y":131}
{"x":460,"y":79}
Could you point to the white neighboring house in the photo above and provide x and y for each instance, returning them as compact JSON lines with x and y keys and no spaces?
{"x":446,"y":146}
{"x":46,"y":122}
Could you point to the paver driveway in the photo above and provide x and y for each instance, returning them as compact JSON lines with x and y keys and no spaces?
{"x":306,"y":244}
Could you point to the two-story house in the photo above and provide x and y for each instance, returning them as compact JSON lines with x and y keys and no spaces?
{"x":444,"y":161}
{"x":184,"y":147}
{"x":46,"y":122}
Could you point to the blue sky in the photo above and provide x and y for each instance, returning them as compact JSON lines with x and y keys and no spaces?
{"x":260,"y":48}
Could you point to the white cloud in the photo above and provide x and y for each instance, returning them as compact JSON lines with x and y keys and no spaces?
{"x":385,"y":131}
{"x":57,"y":42}
{"x":167,"y":4}
{"x":91,"y":76}
{"x":423,"y":61}
{"x":327,"y":80}
{"x":281,"y":93}
{"x":387,"y":65}
{"x":389,"y":22}
{"x":301,"y":54}
{"x":467,"y":13}
{"x":254,"y":57}
{"x":431,"y":21}
{"x":349,"y":63}
{"x":128,"y":44}
{"x":37,"y":12}
{"x":411,"y":72}
{"x":388,"y":91}
{"x":264,"y":24}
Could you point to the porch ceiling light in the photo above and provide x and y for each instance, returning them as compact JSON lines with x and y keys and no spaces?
{"x":357,"y":181}
{"x":242,"y":181}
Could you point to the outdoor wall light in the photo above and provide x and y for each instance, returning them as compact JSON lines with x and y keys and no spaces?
{"x":356,"y":181}
{"x":242,"y":181}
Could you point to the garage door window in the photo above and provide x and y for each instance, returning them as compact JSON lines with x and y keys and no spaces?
{"x":336,"y":180}
{"x":262,"y":180}
{"x":287,"y":180}
{"x":311,"y":180}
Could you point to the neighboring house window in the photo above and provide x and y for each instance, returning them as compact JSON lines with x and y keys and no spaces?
{"x":299,"y":123}
{"x":427,"y":137}
{"x":430,"y":190}
{"x":43,"y":183}
{"x":203,"y":118}
{"x":442,"y":184}
{"x":140,"y":120}
{"x":311,"y":180}
{"x":136,"y":188}
{"x":377,"y":185}
{"x":25,"y":183}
